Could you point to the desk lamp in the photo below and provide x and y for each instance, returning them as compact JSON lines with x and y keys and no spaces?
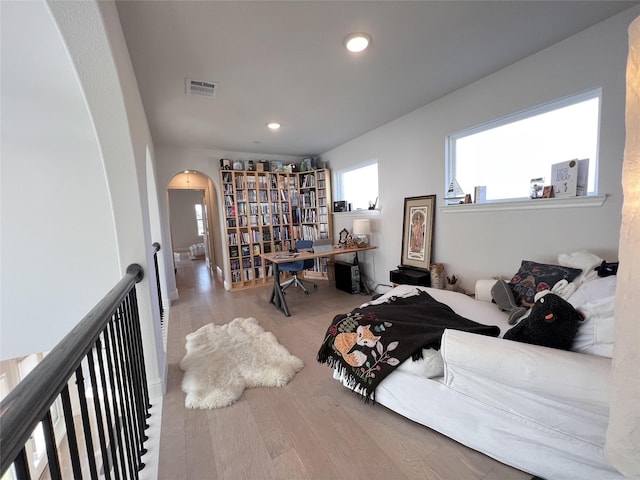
{"x":361,"y":231}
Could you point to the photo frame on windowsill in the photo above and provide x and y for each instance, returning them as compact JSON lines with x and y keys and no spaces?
{"x":417,"y":232}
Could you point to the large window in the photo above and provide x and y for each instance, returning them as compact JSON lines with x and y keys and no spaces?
{"x":506,"y":154}
{"x":358,"y":185}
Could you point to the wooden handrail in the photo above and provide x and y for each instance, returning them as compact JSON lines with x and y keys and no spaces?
{"x":29,"y":401}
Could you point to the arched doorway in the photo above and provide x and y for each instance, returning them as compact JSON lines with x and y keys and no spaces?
{"x":194,"y":218}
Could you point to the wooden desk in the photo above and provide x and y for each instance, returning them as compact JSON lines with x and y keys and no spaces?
{"x":277,"y":258}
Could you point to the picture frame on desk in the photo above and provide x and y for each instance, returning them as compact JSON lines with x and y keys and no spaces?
{"x":417,"y":231}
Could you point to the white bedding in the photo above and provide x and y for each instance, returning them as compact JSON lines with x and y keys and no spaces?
{"x":541,"y":410}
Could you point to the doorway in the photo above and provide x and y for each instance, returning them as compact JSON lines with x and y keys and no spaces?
{"x":193,"y":219}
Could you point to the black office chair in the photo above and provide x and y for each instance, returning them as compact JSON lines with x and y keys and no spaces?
{"x":295,"y":267}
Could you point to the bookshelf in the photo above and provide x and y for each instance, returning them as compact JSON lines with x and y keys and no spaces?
{"x":267,"y":212}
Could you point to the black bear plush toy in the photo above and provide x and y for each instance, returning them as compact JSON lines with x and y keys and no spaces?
{"x":553,"y":322}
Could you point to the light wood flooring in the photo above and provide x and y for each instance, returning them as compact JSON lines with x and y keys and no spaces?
{"x":313,"y":428}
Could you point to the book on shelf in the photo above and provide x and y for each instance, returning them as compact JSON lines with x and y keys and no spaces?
{"x":569,"y":178}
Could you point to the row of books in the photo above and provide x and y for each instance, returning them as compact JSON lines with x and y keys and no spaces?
{"x":308,"y":181}
{"x":309,"y":199}
{"x":237,"y":275}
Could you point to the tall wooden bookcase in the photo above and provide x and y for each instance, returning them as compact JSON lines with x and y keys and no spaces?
{"x":267,"y":212}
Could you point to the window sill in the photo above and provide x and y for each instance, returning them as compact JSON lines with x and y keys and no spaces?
{"x":355,"y":213}
{"x":528,"y":204}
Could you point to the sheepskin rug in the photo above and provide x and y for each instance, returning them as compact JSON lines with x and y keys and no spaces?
{"x":222,"y":361}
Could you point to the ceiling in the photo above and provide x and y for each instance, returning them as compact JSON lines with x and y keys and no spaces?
{"x":285,"y":61}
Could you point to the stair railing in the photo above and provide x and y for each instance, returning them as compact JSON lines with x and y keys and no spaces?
{"x":105,"y":415}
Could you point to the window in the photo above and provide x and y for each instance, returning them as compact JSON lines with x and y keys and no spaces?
{"x":358,"y":185}
{"x":199,"y":219}
{"x":506,"y":154}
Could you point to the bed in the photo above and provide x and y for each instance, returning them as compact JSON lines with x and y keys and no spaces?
{"x":538,"y":409}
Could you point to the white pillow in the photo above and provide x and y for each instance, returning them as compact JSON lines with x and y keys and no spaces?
{"x":597,"y":333}
{"x":429,"y":366}
{"x":594,"y":291}
{"x":584,"y":260}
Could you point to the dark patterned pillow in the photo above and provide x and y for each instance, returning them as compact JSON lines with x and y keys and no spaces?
{"x":535,"y":277}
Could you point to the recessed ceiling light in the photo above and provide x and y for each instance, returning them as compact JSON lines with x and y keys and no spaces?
{"x":357,"y":42}
{"x":273,"y":125}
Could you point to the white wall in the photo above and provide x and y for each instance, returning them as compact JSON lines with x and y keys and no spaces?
{"x":58,"y":243}
{"x":411,"y":160}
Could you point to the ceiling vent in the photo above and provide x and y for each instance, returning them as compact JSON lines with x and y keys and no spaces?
{"x":196,"y":87}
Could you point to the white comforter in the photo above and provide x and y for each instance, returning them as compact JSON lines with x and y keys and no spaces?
{"x":542,"y":410}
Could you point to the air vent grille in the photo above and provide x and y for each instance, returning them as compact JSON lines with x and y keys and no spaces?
{"x":198,"y":87}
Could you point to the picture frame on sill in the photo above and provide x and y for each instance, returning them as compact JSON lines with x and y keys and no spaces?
{"x":417,"y":232}
{"x":340,"y":206}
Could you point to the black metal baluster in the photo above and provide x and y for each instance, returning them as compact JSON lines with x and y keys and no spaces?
{"x":134,"y":390}
{"x":127,"y":408}
{"x":140,"y":350}
{"x":86,"y":425}
{"x":99,"y":420}
{"x":139,"y":381}
{"x":113,"y":380}
{"x":107,"y":395}
{"x":156,"y":247}
{"x":72,"y":440}
{"x":52,"y":447}
{"x":21,"y":466}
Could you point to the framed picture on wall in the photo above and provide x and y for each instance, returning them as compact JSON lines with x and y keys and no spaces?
{"x":417,"y":231}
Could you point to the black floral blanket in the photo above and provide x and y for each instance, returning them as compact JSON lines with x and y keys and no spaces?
{"x":367,"y":343}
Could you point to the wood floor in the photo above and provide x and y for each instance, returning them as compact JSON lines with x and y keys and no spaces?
{"x":313,"y":428}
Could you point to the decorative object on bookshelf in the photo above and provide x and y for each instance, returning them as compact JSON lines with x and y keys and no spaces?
{"x":547,"y":191}
{"x":238,"y":165}
{"x":250,"y":166}
{"x":417,"y":231}
{"x":569,"y":178}
{"x":306,"y":164}
{"x":225,"y":164}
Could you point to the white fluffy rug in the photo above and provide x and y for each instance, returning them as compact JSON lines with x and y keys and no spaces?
{"x":222,"y":361}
